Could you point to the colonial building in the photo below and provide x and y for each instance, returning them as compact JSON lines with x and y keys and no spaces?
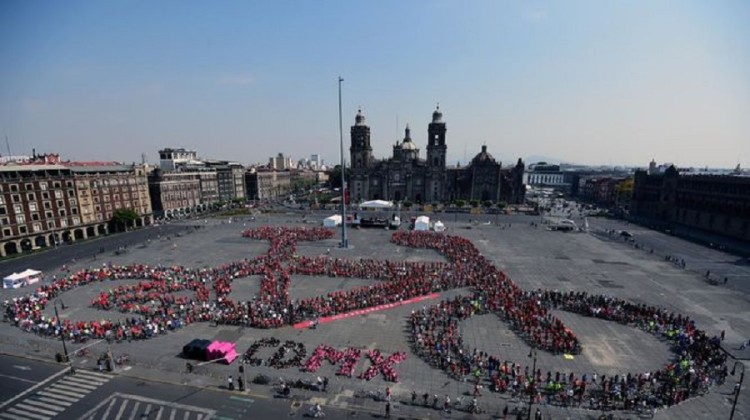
{"x":407,"y":177}
{"x":717,"y":204}
{"x":43,"y":204}
{"x":267,"y":184}
{"x":104,"y":187}
{"x":175,"y":194}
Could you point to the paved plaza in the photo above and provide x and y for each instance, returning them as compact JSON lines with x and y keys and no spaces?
{"x":534,"y":257}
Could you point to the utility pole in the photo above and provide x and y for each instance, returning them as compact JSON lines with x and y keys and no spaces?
{"x":344,"y":240}
{"x":62,"y":337}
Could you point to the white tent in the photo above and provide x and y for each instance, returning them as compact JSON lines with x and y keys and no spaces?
{"x":439,"y":226}
{"x":422,"y":223}
{"x":376,"y":204}
{"x":332,"y":221}
{"x":24,"y":278}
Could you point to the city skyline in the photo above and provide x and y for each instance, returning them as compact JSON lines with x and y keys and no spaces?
{"x":583,"y":82}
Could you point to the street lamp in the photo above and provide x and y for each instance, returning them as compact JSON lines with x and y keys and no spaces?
{"x":532,"y":353}
{"x":344,"y":239}
{"x":62,"y":337}
{"x":739,"y":385}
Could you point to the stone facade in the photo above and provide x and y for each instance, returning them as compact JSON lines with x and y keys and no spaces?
{"x":718,"y":204}
{"x":407,"y":177}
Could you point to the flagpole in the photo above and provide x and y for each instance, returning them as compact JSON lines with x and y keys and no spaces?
{"x":344,"y":240}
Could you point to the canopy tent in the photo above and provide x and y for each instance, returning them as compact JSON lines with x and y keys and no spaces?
{"x":376,"y":204}
{"x":439,"y":226}
{"x":332,"y":221}
{"x":24,"y":278}
{"x":422,"y":223}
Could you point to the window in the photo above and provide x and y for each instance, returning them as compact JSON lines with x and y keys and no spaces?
{"x":29,"y":187}
{"x":76,"y":221}
{"x":32,"y":206}
{"x":37,"y":227}
{"x":31,"y":196}
{"x":43,"y":186}
{"x":56,"y":184}
{"x":4,"y":221}
{"x":63,"y":223}
{"x":58,"y":194}
{"x":34,"y":216}
{"x":15,"y":198}
{"x":74,"y":211}
{"x":22,"y":230}
{"x":47,"y":205}
{"x":51,"y":224}
{"x":14,"y":188}
{"x":7,"y":232}
{"x":61,"y":212}
{"x":17,"y":208}
{"x":45,"y":196}
{"x":48,"y":214}
{"x":20,"y":218}
{"x":69,"y":184}
{"x":2,"y":200}
{"x":71,"y":193}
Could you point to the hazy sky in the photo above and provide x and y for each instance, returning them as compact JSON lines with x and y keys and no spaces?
{"x":591,"y":82}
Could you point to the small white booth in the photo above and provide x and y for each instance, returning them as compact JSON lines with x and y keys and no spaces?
{"x":376,"y":204}
{"x":438,"y":226}
{"x":24,"y":278}
{"x":332,"y":221}
{"x":422,"y":223}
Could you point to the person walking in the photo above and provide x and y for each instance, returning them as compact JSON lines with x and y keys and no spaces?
{"x":230,"y":383}
{"x":241,"y":384}
{"x":387,"y":409}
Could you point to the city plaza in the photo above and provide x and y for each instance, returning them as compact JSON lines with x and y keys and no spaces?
{"x":520,"y":246}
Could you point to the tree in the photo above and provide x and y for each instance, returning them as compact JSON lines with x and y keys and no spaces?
{"x":460,"y":203}
{"x":474,"y":203}
{"x":334,"y":178}
{"x":122,"y":218}
{"x":407,"y":205}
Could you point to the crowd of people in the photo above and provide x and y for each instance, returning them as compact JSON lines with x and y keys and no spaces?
{"x":161,"y":300}
{"x":699,"y":361}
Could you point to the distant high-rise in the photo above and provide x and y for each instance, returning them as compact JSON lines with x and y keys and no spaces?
{"x":280,"y":162}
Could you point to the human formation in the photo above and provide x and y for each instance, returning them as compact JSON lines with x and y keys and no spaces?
{"x":169,"y":297}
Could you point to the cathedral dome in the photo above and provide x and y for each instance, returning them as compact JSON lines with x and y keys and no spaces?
{"x":483,"y":157}
{"x":408,"y":144}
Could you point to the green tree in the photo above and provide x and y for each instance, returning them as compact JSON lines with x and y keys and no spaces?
{"x":474,"y":203}
{"x":334,"y":178}
{"x":460,"y":203}
{"x":122,"y":218}
{"x":407,"y":205}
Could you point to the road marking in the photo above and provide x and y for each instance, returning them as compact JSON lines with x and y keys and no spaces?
{"x":122,"y":409}
{"x":34,"y":409}
{"x":54,"y":401}
{"x":16,"y":378}
{"x":32,"y":389}
{"x":172,"y":414}
{"x":109,"y":407}
{"x":24,"y":414}
{"x":158,"y":414}
{"x":76,"y":383}
{"x":43,"y":405}
{"x":134,"y":411}
{"x":21,"y":367}
{"x":58,"y":396}
{"x":73,"y":392}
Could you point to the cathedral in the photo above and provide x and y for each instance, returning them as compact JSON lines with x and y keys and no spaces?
{"x":406,"y":176}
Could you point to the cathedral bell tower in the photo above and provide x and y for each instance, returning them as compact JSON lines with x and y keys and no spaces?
{"x":436,"y":151}
{"x":360,"y":152}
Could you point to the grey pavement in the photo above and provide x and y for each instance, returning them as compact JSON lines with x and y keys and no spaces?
{"x":532,"y":256}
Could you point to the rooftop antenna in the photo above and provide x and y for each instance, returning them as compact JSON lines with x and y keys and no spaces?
{"x":7,"y":144}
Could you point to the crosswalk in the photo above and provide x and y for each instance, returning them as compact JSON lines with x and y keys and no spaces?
{"x":129,"y":407}
{"x":51,"y":401}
